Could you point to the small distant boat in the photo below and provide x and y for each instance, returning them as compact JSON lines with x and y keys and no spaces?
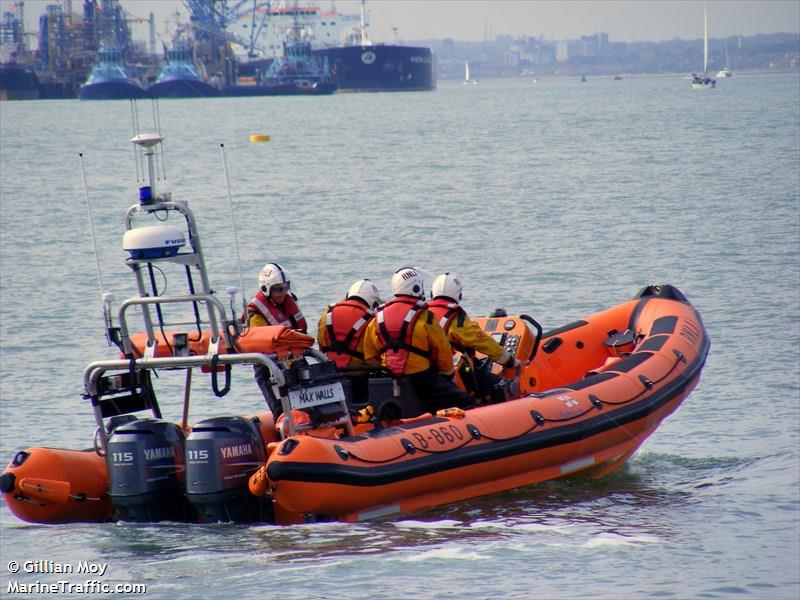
{"x":583,"y":79}
{"x":467,"y":79}
{"x":617,"y":78}
{"x":725,"y":71}
{"x":179,"y":77}
{"x":700,"y":82}
{"x":109,"y":81}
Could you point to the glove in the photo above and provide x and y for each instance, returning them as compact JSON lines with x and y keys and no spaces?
{"x":365,"y":415}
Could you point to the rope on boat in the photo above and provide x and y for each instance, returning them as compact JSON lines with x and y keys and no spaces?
{"x":679,"y":358}
{"x":539,"y":421}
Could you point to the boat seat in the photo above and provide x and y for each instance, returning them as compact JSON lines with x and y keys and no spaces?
{"x":394,"y":398}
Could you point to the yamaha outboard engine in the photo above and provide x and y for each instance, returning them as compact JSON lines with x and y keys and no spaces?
{"x":146,"y":471}
{"x":221,"y":455}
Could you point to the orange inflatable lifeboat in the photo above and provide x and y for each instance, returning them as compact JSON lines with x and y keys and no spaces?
{"x":594,"y":391}
{"x":589,"y":394}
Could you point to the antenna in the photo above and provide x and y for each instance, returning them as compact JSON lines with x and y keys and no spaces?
{"x":91,"y":223}
{"x":150,"y":153}
{"x":157,"y":127}
{"x":233,"y":226}
{"x":107,"y":297}
{"x":148,"y":141}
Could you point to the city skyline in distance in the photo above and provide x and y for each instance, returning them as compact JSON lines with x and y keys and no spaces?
{"x":479,"y":20}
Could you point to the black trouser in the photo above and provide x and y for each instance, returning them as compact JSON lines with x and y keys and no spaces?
{"x":437,"y":391}
{"x":487,"y":387}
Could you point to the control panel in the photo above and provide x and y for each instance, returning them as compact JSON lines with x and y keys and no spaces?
{"x":512,"y":333}
{"x":520,"y":336}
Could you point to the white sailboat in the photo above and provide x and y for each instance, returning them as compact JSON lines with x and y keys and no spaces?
{"x":704,"y":82}
{"x":725,"y":71}
{"x":467,"y":80}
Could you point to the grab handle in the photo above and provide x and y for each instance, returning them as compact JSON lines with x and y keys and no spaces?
{"x":539,"y":332}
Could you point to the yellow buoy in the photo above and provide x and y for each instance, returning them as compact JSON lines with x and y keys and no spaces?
{"x":259,"y":137}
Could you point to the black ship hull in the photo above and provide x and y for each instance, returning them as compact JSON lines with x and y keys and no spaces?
{"x":18,"y":83}
{"x":381,"y":68}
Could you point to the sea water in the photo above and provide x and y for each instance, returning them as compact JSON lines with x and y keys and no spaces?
{"x":555,"y":199}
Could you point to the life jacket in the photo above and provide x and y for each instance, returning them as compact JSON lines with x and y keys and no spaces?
{"x":345,"y":324}
{"x":395,"y":322}
{"x":446,"y":311}
{"x":289,"y":314}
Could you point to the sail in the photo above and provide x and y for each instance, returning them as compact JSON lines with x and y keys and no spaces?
{"x":466,"y":71}
{"x":705,"y":39}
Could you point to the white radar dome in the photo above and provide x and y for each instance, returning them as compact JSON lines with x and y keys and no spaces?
{"x":156,"y":241}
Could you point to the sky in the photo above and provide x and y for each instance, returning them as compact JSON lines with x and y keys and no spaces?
{"x":477,"y":20}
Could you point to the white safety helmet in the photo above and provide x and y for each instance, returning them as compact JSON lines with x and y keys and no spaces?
{"x":408,"y":282}
{"x":272,"y":274}
{"x":447,"y":285}
{"x":365,"y":290}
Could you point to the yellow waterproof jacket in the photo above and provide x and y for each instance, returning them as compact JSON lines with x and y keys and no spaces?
{"x":464,"y":334}
{"x":426,"y":336}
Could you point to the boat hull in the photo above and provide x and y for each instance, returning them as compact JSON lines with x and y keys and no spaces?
{"x":111,"y":90}
{"x":182,"y":88}
{"x":279,"y":89}
{"x":580,"y":421}
{"x":18,"y":83}
{"x":381,"y":68}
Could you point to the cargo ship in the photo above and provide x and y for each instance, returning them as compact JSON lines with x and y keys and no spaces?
{"x":381,"y":68}
{"x":361,"y":66}
{"x":357,"y":64}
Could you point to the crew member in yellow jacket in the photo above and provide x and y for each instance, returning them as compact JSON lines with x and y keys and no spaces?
{"x":405,"y":338}
{"x":341,"y":330}
{"x":468,"y":338}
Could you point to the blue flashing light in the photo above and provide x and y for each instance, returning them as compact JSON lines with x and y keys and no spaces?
{"x":146,"y":195}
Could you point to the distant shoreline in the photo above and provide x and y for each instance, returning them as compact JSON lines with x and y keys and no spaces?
{"x":573,"y":77}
